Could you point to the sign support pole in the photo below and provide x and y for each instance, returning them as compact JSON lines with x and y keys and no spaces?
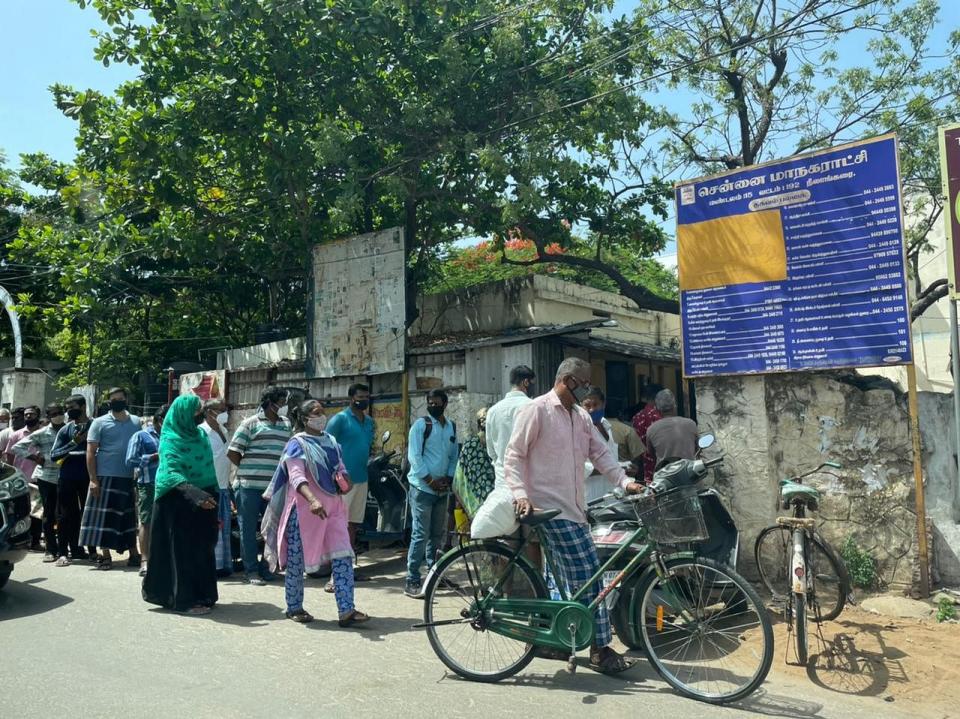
{"x":923,"y":550}
{"x":955,"y":370}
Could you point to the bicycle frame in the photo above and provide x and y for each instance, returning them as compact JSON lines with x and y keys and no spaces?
{"x":566,"y":623}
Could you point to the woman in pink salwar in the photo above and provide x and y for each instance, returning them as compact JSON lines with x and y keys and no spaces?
{"x":305,"y":525}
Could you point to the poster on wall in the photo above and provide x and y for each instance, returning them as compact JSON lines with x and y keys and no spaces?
{"x":206,"y":385}
{"x":357,"y":313}
{"x":797,"y":264}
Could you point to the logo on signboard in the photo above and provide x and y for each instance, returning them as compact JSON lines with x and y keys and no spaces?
{"x":688,"y":194}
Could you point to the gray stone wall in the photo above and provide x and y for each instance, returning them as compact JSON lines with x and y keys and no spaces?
{"x":774,"y":426}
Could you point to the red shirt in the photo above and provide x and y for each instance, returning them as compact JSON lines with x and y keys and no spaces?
{"x":641,"y":423}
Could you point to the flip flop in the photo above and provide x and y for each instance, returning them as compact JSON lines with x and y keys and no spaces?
{"x":197,"y":611}
{"x":105,"y":565}
{"x":63,"y":562}
{"x":355,"y":617}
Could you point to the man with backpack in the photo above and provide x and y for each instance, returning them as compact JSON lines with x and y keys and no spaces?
{"x":432,"y":453}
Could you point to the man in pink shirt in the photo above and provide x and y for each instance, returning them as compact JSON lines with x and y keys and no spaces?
{"x":544,"y":468}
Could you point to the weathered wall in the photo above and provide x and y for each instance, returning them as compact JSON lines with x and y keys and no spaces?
{"x":774,"y":426}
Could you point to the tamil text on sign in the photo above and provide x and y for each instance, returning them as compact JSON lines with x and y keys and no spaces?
{"x":796,"y":264}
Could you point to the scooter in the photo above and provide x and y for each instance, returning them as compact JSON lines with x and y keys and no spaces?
{"x":387,"y":517}
{"x":613,"y":519}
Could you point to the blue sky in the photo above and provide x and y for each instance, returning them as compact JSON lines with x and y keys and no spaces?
{"x":44,"y":42}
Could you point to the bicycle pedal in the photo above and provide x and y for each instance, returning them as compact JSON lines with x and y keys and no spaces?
{"x":572,"y":665}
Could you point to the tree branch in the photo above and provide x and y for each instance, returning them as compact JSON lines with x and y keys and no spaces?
{"x":934,"y":292}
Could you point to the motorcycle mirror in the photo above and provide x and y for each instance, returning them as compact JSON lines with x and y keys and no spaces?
{"x":385,"y":437}
{"x":706,"y":440}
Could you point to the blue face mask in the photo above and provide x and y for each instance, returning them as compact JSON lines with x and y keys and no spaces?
{"x":596,"y":416}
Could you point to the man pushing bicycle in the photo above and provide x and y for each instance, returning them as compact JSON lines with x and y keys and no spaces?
{"x":544,"y":468}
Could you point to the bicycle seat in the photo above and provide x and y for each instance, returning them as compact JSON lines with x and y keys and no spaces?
{"x":792,"y":493}
{"x":538,"y":516}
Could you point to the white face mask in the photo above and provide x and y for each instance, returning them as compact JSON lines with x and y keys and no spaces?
{"x":317,"y":424}
{"x":222,"y":418}
{"x":282,"y":412}
{"x":4,"y":425}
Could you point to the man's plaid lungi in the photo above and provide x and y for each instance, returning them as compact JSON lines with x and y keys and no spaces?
{"x":110,"y":519}
{"x":575,"y":557}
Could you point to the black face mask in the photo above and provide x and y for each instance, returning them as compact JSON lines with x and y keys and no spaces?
{"x":118,"y":405}
{"x":74,"y":414}
{"x":361,"y":404}
{"x":32,"y":422}
{"x":435,"y":412}
{"x":198,"y":418}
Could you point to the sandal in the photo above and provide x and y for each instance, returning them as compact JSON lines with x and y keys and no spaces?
{"x":63,"y":562}
{"x":354,"y":617}
{"x":198,"y":611}
{"x":606,"y":661}
{"x":105,"y":565}
{"x":301,"y":616}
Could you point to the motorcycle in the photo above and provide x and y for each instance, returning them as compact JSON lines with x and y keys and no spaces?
{"x":387,"y":517}
{"x":613,"y":519}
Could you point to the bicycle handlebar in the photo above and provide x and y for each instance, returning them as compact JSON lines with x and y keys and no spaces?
{"x":834,"y":465}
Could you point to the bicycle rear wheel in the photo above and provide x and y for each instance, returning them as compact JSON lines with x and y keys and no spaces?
{"x":456,"y":627}
{"x":831,"y":582}
{"x":705,"y":630}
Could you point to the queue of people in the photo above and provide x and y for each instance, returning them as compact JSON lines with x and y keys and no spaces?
{"x":164,"y":491}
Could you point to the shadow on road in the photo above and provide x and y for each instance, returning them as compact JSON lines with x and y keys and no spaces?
{"x":25,"y":599}
{"x":239,"y":614}
{"x":375,"y":630}
{"x":777,"y":705}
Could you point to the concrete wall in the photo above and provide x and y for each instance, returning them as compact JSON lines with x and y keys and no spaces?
{"x":777,"y":425}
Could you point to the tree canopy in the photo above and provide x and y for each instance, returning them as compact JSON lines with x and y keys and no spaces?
{"x":257,"y":129}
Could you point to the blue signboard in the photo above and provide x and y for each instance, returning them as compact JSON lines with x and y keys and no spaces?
{"x":793,"y":265}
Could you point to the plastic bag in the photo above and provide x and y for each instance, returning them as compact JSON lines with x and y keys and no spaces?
{"x":496,"y":516}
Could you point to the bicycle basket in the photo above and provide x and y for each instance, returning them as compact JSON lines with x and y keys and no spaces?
{"x":673,"y":517}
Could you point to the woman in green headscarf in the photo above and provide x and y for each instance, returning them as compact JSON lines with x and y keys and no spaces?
{"x":182,"y":572}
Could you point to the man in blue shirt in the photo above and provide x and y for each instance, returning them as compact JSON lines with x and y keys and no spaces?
{"x":354,"y":432}
{"x":143,"y":457}
{"x":432,"y":452}
{"x":109,"y":515}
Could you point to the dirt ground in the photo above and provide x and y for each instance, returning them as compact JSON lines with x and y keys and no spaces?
{"x":912,"y":664}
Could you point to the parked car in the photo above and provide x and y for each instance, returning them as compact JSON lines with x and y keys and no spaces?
{"x":15,"y":516}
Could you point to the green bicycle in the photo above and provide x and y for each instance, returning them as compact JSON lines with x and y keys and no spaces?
{"x":703,"y":627}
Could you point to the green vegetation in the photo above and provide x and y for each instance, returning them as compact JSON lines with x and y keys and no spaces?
{"x":946,"y":610}
{"x":860,"y":564}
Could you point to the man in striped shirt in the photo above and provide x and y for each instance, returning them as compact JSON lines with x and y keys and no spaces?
{"x":255,"y":451}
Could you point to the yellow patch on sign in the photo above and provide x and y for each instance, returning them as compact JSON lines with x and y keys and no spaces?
{"x":732,"y":250}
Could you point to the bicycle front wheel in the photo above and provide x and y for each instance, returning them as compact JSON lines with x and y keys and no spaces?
{"x":705,"y":630}
{"x":831,"y":583}
{"x":456,"y":626}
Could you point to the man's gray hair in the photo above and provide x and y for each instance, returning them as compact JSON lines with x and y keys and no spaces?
{"x":213,"y":403}
{"x":570,"y":366}
{"x":665,"y":402}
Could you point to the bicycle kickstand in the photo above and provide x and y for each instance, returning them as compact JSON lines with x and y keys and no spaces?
{"x":572,"y":661}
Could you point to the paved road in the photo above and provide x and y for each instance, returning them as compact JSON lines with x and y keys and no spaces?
{"x":82,"y":643}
